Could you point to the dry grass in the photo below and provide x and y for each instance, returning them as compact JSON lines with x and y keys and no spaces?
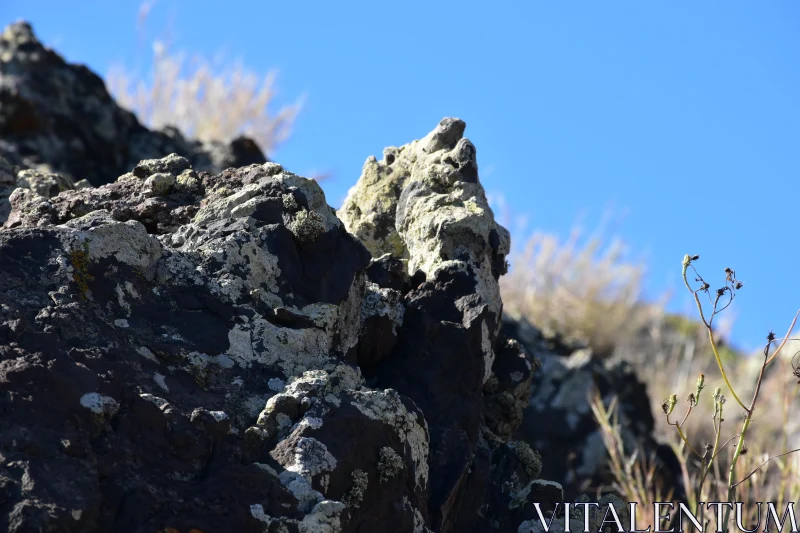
{"x":582,"y":290}
{"x":637,"y":480}
{"x":588,"y":290}
{"x":636,"y":477}
{"x":727,"y":462}
{"x":203,"y":100}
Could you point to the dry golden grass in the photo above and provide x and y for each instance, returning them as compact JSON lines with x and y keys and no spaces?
{"x":728,"y":462}
{"x":203,"y":100}
{"x":588,"y":290}
{"x":637,"y":479}
{"x":583,"y":290}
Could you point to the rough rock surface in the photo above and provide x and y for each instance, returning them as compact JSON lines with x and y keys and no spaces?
{"x":186,"y":350}
{"x":57,"y":117}
{"x":45,"y":184}
{"x":558,"y":420}
{"x":186,"y":346}
{"x":423,"y":213}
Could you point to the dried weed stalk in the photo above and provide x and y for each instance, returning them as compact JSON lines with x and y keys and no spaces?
{"x":740,"y":468}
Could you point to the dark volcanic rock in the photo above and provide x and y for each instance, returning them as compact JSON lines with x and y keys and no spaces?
{"x":199,"y":343}
{"x":134,"y":364}
{"x":423,"y":214}
{"x":185,"y":350}
{"x":558,"y":420}
{"x":59,"y":117}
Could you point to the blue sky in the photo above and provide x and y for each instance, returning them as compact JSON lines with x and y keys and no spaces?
{"x":684,"y":116}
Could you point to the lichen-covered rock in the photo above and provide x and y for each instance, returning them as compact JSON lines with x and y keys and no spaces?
{"x":59,"y":117}
{"x":423,"y":203}
{"x":558,"y":420}
{"x":197,"y":342}
{"x":318,"y":420}
{"x":199,"y":336}
{"x":42,"y":182}
{"x":423,"y":214}
{"x":139,"y":344}
{"x":507,"y":392}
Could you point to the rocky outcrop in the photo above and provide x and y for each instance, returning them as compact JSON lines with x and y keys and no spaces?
{"x":137,"y":358}
{"x":187,"y":350}
{"x":191,"y":339}
{"x":43,"y":183}
{"x":57,"y":117}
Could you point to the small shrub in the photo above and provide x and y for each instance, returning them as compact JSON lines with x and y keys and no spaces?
{"x":582,"y":291}
{"x":202,"y":100}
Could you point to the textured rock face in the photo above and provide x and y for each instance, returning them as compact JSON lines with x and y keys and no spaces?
{"x":58,"y":117}
{"x":423,"y":213}
{"x":188,"y":350}
{"x":558,"y":421}
{"x":189,"y":346}
{"x":424,"y":205}
{"x":136,"y":358}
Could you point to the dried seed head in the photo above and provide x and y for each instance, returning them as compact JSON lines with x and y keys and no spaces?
{"x":671,"y":403}
{"x":701,"y":379}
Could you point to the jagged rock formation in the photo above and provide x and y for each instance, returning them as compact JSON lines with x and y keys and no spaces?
{"x":57,"y":117}
{"x":191,"y":347}
{"x":183,"y":350}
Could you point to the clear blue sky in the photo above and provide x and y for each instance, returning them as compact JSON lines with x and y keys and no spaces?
{"x":684,"y":114}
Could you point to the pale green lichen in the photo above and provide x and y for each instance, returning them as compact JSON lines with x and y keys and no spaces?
{"x":289,"y":202}
{"x":412,"y":429}
{"x":530,"y":459}
{"x":306,"y":225}
{"x":389,"y":464}
{"x":160,"y":184}
{"x":187,"y":181}
{"x":355,"y":495}
{"x":424,"y":203}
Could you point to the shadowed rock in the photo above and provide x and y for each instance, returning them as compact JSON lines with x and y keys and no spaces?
{"x":200,"y":342}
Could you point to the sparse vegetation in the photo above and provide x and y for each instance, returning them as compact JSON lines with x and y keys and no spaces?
{"x":636,"y":477}
{"x":190,"y":94}
{"x":581,"y":290}
{"x":742,"y":467}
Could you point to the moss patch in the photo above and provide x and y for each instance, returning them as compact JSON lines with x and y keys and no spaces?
{"x":79,"y":258}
